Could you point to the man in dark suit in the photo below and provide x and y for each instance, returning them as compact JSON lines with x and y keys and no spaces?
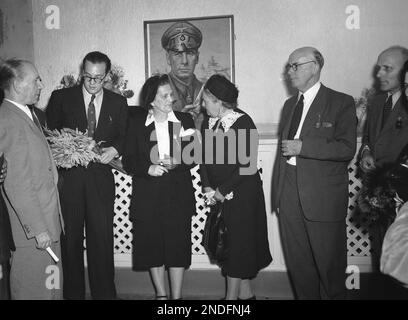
{"x":88,"y":194}
{"x":386,"y":131}
{"x":317,"y":139}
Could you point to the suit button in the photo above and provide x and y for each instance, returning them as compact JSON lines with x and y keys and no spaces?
{"x":49,"y":169}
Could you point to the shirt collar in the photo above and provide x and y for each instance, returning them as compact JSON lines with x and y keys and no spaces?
{"x":88,"y":96}
{"x":311,"y":92}
{"x":170,"y":117}
{"x":17,"y":104}
{"x":395,"y":96}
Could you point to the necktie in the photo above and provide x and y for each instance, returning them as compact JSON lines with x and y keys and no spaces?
{"x":91,"y":117}
{"x":297,"y":115}
{"x":386,"y":110}
{"x":35,"y":119}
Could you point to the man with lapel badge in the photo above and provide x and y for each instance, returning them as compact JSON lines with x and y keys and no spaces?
{"x":88,"y":194}
{"x":386,"y":130}
{"x":317,"y":139}
{"x":30,"y":187}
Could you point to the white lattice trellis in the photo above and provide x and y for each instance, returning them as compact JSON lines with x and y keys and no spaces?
{"x":123,"y":227}
{"x":358,"y":242}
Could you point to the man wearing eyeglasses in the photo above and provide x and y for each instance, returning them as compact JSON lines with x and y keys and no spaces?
{"x":87,"y":195}
{"x":317,"y":139}
{"x":181,"y":42}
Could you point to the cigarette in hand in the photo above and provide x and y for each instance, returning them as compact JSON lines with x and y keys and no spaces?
{"x":52,"y":254}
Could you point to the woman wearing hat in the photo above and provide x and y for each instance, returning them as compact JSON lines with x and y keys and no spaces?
{"x":244,"y":212}
{"x":162,"y":195}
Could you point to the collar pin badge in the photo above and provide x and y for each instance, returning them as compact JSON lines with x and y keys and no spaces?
{"x":398,"y":125}
{"x":319,"y":122}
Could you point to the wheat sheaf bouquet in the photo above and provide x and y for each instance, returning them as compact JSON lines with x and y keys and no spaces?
{"x":72,"y":148}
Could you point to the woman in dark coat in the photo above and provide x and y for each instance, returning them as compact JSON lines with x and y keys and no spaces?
{"x":163,"y":196}
{"x":244,"y":214}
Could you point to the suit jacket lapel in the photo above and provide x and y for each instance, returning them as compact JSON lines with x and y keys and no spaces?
{"x":150,"y":139}
{"x":378,"y":112}
{"x":80,"y":110}
{"x":104,"y":118}
{"x":174,"y":134}
{"x":392,"y":119}
{"x":35,"y":129}
{"x":315,"y":112}
{"x":24,"y":116}
{"x":292,"y":103}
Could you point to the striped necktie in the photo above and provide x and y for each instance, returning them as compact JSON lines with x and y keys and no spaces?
{"x":91,"y":117}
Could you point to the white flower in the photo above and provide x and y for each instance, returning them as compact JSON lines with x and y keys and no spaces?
{"x":229,"y":196}
{"x":186,"y":133}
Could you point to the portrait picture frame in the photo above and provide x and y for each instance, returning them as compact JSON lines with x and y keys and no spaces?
{"x":216,"y":53}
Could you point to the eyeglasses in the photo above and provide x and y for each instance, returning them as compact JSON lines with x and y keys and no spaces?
{"x":294,"y":66}
{"x":97,"y":80}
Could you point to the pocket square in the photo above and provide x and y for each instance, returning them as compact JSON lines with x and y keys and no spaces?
{"x":186,"y":133}
{"x":327,"y":124}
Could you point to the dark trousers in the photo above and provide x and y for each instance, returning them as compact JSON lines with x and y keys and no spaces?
{"x":87,"y":198}
{"x":315,"y":252}
{"x":5,"y":281}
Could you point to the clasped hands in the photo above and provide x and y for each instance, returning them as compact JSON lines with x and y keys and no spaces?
{"x":367,"y":162}
{"x":291,"y":147}
{"x":108,"y":154}
{"x":164,"y":165}
{"x":212,"y":196}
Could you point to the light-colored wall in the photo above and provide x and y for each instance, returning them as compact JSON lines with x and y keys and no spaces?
{"x":16,"y":29}
{"x":266,"y":32}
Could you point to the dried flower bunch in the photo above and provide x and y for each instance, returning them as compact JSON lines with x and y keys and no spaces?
{"x":72,"y":148}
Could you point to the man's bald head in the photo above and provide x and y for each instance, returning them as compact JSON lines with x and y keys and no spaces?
{"x":389,"y":65}
{"x":304,"y":66}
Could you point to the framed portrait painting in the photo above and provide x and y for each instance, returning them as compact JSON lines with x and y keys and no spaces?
{"x":211,"y":37}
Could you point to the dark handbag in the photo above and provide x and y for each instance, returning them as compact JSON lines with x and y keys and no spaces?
{"x":215,"y":234}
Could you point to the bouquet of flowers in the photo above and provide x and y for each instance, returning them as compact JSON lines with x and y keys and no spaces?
{"x":73,"y":148}
{"x":378,"y":198}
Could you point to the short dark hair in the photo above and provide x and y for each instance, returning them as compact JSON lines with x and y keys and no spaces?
{"x":319,"y":58}
{"x":9,"y":70}
{"x":97,"y":57}
{"x":149,"y":89}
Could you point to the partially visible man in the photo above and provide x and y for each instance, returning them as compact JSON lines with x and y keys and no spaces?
{"x":181,"y":42}
{"x":386,"y":130}
{"x":30,"y":186}
{"x":6,"y":239}
{"x":88,"y":194}
{"x":317,"y":138}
